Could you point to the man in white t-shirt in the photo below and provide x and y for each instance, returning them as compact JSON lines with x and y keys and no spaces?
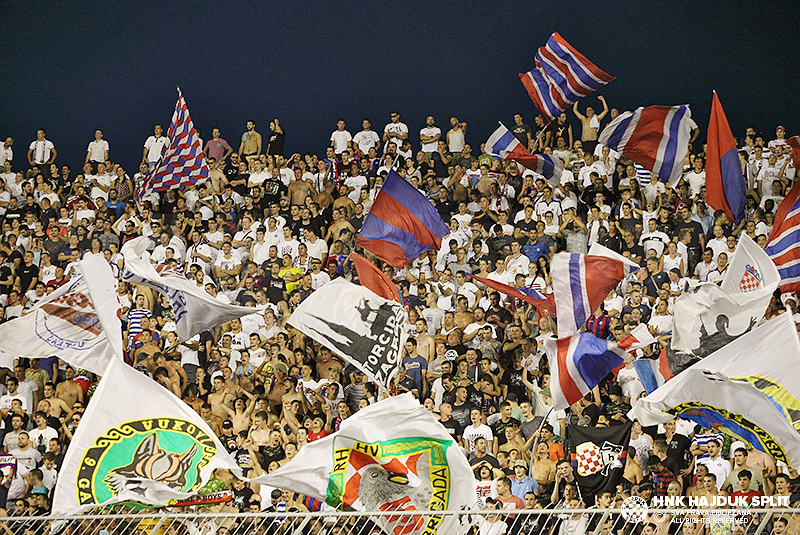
{"x":98,"y":148}
{"x":395,"y":132}
{"x":341,"y":138}
{"x":366,"y":139}
{"x":697,"y":176}
{"x":154,"y":147}
{"x":6,"y":152}
{"x":429,"y":136}
{"x":42,"y":152}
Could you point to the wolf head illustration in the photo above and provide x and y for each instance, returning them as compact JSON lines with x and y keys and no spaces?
{"x":150,"y":462}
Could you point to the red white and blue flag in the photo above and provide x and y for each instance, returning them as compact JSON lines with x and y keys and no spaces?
{"x":401,"y":224}
{"x":724,"y":177}
{"x":183,"y":162}
{"x":582,"y":284}
{"x":543,"y":302}
{"x":504,"y":146}
{"x":577,"y":364}
{"x":562,"y":76}
{"x":656,"y":137}
{"x":784,"y":242}
{"x":653,"y":372}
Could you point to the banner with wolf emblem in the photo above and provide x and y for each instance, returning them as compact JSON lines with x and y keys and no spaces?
{"x":194,"y":309}
{"x":138,"y":443}
{"x":391,"y":456}
{"x":79,"y":322}
{"x":352,"y":321}
{"x":598,"y":456}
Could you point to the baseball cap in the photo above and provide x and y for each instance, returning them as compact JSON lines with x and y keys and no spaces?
{"x":521,"y":463}
{"x":227,"y":424}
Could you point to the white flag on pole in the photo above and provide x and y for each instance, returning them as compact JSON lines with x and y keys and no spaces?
{"x":137,"y":442}
{"x":194,"y":309}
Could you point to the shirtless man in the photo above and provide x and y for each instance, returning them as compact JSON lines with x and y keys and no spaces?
{"x":344,"y":202}
{"x":67,"y":390}
{"x":57,"y":405}
{"x":463,"y":316}
{"x":216,"y":176}
{"x":299,"y":189}
{"x":145,"y":338}
{"x":213,"y":421}
{"x":425,"y":344}
{"x":176,"y":373}
{"x":192,"y":400}
{"x":339,"y":224}
{"x":219,"y":396}
{"x":758,"y":460}
{"x":259,"y":431}
{"x":590,"y":125}
{"x":250,"y":148}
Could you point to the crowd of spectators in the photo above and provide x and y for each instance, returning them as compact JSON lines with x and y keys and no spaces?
{"x":268,"y":229}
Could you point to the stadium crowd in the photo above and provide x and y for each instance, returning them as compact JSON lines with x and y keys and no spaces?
{"x":267,"y":229}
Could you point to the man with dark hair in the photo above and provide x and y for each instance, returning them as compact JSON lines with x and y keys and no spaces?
{"x":661,"y":475}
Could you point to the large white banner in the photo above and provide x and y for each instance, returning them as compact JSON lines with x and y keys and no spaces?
{"x":390,"y":456}
{"x":357,"y":324}
{"x":137,"y":442}
{"x":79,"y":322}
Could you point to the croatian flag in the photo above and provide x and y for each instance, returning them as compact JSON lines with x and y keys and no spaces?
{"x":582,"y":283}
{"x":784,"y":242}
{"x":657,"y":138}
{"x":504,"y":146}
{"x":401,"y":224}
{"x":724,"y":177}
{"x":183,"y":162}
{"x":562,"y":76}
{"x":577,"y":364}
{"x":543,"y":302}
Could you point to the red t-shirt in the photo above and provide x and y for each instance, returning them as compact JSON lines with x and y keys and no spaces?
{"x":749,"y":495}
{"x":312,"y":436}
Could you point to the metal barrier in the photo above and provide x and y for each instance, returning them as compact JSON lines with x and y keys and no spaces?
{"x":558,"y":521}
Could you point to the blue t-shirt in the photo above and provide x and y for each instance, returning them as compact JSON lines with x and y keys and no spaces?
{"x":414,"y":367}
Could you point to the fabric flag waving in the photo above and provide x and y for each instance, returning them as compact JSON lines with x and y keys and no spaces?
{"x":352,"y":321}
{"x":581,"y":284}
{"x":638,"y":338}
{"x":373,"y":278}
{"x":544,"y":302}
{"x":79,"y":322}
{"x":561,"y":77}
{"x":137,"y":442}
{"x":401,"y":224}
{"x":657,"y":138}
{"x":724,"y":178}
{"x":504,"y":146}
{"x":750,"y":269}
{"x":784,"y":241}
{"x":794,"y":143}
{"x":598,"y":456}
{"x":194,"y":309}
{"x":577,"y":364}
{"x":652,"y":372}
{"x":390,"y":456}
{"x":743,"y":390}
{"x":183,"y":162}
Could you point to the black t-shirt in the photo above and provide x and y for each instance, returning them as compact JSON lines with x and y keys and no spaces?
{"x":635,"y":250}
{"x":241,"y":499}
{"x":499,"y":429}
{"x":273,"y":190}
{"x":559,"y":131}
{"x":521,"y":132}
{"x":461,"y":413}
{"x":453,"y":352}
{"x":453,"y":427}
{"x":513,"y":380}
{"x":275,"y":287}
{"x":694,"y":228}
{"x":445,"y":209}
{"x":26,"y":274}
{"x":276,"y":140}
{"x":526,"y":227}
{"x":678,"y":450}
{"x":5,"y":273}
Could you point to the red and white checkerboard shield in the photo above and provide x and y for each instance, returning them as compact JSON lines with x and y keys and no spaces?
{"x":589,"y":459}
{"x":751,"y":279}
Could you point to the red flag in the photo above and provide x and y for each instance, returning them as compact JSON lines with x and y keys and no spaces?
{"x":373,"y":278}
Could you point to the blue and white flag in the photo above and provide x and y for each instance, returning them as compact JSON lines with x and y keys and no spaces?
{"x":656,"y":137}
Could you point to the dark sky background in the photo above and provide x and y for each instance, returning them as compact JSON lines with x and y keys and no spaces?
{"x":71,"y":67}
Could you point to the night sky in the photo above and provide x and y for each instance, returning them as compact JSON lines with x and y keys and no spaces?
{"x":71,"y":67}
